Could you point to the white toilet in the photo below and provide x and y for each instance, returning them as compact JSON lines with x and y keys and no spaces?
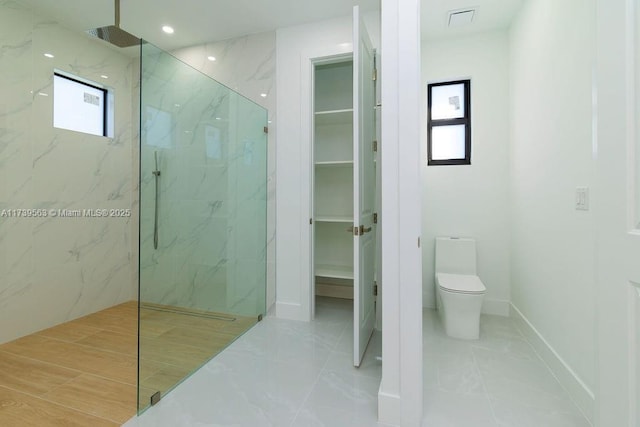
{"x":459,"y":291}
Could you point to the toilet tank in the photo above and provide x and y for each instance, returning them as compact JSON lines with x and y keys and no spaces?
{"x":455,"y":255}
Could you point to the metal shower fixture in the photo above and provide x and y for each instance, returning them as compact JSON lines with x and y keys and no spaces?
{"x":114,"y":34}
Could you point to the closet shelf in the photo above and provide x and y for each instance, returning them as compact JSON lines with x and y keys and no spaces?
{"x":334,"y":271}
{"x":335,"y":218}
{"x":334,"y":117}
{"x":335,"y":164}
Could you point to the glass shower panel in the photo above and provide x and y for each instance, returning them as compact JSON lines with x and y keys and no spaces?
{"x":202,"y":220}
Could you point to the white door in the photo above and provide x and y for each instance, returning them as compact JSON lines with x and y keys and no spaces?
{"x":364,"y":179}
{"x":618,"y":208}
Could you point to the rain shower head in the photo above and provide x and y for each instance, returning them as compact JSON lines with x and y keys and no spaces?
{"x":114,"y":34}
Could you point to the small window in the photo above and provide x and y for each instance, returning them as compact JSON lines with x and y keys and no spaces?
{"x":449,"y":123}
{"x":81,"y":106}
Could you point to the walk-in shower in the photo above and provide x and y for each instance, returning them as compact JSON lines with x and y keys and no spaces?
{"x":127,"y":258}
{"x":202,"y":219}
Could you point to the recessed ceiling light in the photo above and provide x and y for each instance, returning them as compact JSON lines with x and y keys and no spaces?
{"x":104,"y":76}
{"x":48,"y":55}
{"x":264,"y":95}
{"x":211,"y":58}
{"x":167,"y":29}
{"x":218,"y":118}
{"x":43,"y":94}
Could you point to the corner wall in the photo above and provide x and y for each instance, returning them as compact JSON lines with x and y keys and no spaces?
{"x":56,"y":269}
{"x":293,"y":161}
{"x":471,"y":200}
{"x":295,"y":47}
{"x":553,"y":244}
{"x":248,"y":66}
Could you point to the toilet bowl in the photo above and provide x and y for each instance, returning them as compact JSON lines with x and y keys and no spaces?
{"x":459,"y":290}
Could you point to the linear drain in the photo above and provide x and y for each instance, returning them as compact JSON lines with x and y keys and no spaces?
{"x":177,"y":310}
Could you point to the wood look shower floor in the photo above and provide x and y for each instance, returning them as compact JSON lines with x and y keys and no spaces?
{"x":84,"y":372}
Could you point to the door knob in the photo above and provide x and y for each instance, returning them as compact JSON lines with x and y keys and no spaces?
{"x":364,"y":230}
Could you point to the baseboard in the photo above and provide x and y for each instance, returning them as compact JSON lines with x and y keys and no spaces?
{"x":271,"y":311}
{"x":496,"y":307}
{"x":578,"y":391}
{"x":489,"y":306}
{"x":389,"y":408}
{"x":334,"y":291}
{"x":289,"y":311}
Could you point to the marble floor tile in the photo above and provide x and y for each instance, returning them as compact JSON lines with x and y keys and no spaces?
{"x":497,"y":380}
{"x":448,"y":409}
{"x":300,"y":374}
{"x":317,"y":416}
{"x":345,"y":392}
{"x":281,"y":373}
{"x":510,"y":414}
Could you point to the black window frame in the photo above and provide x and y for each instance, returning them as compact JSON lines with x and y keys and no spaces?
{"x":105,"y":92}
{"x":466,"y":121}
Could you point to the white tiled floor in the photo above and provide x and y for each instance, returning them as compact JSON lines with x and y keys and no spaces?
{"x":283,"y":373}
{"x":280,"y":373}
{"x":497,"y":380}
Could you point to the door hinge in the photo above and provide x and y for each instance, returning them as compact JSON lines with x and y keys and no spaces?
{"x":375,"y":217}
{"x":418,"y":242}
{"x":265,"y":129}
{"x":155,"y":398}
{"x":375,"y":146}
{"x":310,"y":220}
{"x":375,"y":75}
{"x":375,"y":289}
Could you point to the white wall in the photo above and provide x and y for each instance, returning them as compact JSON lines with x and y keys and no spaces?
{"x":56,"y":269}
{"x":553,"y":246}
{"x":618,"y":240}
{"x":292,"y":175}
{"x":471,"y":200}
{"x":295,"y":47}
{"x":400,"y":393}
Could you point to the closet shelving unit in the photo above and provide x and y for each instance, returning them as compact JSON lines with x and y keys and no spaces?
{"x":333,"y":178}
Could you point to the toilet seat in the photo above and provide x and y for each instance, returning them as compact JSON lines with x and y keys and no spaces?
{"x":460,"y":283}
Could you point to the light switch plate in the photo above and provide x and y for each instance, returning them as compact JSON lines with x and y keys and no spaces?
{"x":582,"y":198}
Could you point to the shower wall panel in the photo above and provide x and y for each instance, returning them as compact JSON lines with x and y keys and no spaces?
{"x":211,"y":151}
{"x":57,"y":268}
{"x":248,"y":65}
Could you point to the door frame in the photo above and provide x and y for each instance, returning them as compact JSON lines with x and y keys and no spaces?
{"x":618,"y":236}
{"x":309,"y":59}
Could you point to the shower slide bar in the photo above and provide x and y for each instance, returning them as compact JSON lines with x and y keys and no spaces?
{"x":156,"y":174}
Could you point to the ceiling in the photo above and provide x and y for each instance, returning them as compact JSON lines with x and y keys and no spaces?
{"x":194,"y":21}
{"x":489,"y":15}
{"x":200,"y":21}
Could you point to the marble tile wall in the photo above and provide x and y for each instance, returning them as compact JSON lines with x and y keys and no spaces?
{"x":57,"y":269}
{"x":248,"y":65}
{"x":212,"y":191}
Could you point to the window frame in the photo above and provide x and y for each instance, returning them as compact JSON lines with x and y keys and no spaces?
{"x":466,"y":121}
{"x":105,"y":107}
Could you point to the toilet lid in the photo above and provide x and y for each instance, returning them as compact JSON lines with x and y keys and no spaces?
{"x":461,"y":283}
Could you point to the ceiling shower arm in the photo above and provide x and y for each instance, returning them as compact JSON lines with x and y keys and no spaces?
{"x":117,"y":13}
